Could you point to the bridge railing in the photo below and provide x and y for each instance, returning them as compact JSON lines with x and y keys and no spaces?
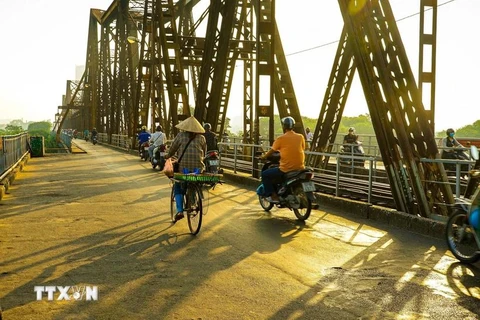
{"x":12,"y":149}
{"x":343,"y":176}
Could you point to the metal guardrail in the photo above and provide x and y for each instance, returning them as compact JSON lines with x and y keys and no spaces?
{"x":367,"y":183}
{"x":12,"y":149}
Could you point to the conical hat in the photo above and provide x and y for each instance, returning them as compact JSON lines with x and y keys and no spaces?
{"x":191,"y":125}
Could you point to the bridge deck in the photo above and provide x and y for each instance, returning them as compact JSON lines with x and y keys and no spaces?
{"x":102,"y":219}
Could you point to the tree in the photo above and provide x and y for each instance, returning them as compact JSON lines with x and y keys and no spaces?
{"x":40,"y":126}
{"x":12,"y":129}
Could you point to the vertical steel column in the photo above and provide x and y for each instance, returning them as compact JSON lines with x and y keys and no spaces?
{"x":427,"y":74}
{"x":265,"y":67}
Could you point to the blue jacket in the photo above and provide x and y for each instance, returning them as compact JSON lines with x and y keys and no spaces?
{"x":143,"y":137}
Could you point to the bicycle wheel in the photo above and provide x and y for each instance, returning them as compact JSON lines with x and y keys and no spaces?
{"x":173,"y":206}
{"x":193,"y":208}
{"x":461,"y":238}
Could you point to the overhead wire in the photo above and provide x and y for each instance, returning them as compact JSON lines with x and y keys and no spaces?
{"x":336,"y":41}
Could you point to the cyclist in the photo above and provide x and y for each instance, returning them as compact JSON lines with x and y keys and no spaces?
{"x":190,"y":146}
{"x":291,"y":146}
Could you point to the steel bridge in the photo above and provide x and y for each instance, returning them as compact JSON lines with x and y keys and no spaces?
{"x":144,"y":56}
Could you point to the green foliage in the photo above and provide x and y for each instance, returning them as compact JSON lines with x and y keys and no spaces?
{"x":39,"y":126}
{"x":363,"y":126}
{"x":13,"y":129}
{"x":469,"y":131}
{"x":43,"y":129}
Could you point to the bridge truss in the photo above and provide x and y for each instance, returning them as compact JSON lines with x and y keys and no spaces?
{"x":149,"y":62}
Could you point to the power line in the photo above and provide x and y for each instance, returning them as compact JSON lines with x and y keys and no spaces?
{"x":336,"y":41}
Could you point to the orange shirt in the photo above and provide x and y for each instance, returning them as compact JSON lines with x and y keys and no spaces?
{"x":291,"y":146}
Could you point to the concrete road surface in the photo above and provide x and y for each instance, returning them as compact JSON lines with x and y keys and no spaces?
{"x":95,"y":228}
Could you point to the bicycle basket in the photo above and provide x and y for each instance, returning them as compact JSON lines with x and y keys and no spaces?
{"x":204,"y":177}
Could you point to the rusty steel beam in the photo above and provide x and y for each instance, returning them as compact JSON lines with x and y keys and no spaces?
{"x":395,"y":105}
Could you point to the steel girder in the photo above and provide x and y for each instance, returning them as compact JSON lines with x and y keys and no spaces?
{"x":394,"y":101}
{"x":339,"y":83}
{"x":215,"y":61}
{"x":265,"y":66}
{"x":428,"y":40}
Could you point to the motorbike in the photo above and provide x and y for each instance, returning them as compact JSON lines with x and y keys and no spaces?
{"x":463,"y":225}
{"x":295,"y":190}
{"x":143,"y":151}
{"x":350,"y":150}
{"x":455,"y":155}
{"x":212,"y":162}
{"x":94,"y":140}
{"x":159,"y":156}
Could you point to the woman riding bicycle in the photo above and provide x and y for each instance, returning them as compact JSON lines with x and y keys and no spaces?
{"x":190,"y":146}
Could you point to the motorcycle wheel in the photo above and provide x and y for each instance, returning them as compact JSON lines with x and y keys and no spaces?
{"x":265,"y":204}
{"x":145,"y":156}
{"x":302,"y":213}
{"x":461,"y":238}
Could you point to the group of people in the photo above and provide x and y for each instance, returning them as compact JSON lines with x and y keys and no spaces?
{"x":90,"y":134}
{"x":192,"y":143}
{"x":155,"y":140}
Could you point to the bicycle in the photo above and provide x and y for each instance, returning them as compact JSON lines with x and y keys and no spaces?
{"x":193,"y":197}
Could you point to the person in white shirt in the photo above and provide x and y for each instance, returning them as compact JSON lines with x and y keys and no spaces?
{"x":309,"y":134}
{"x":157,"y":139}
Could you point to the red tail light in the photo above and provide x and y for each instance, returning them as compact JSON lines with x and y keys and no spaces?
{"x":308,"y":175}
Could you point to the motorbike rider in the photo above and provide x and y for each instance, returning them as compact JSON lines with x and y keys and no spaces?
{"x":94,"y":133}
{"x":142,"y":137}
{"x":453,"y":148}
{"x":192,"y":144}
{"x":350,"y":139}
{"x":86,"y":134}
{"x":210,"y":137}
{"x":291,"y":146}
{"x":156,"y":140}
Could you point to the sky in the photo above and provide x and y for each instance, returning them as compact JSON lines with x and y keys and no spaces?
{"x":47,"y":39}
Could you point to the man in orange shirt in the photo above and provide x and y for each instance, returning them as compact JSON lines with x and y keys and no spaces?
{"x":291,"y":146}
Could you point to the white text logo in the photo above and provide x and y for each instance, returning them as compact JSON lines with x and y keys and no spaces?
{"x":74,"y":293}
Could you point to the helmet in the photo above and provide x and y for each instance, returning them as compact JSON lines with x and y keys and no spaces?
{"x":144,"y":128}
{"x":351,"y":129}
{"x":94,"y":128}
{"x":207,"y":126}
{"x":288,"y":123}
{"x":450,"y":131}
